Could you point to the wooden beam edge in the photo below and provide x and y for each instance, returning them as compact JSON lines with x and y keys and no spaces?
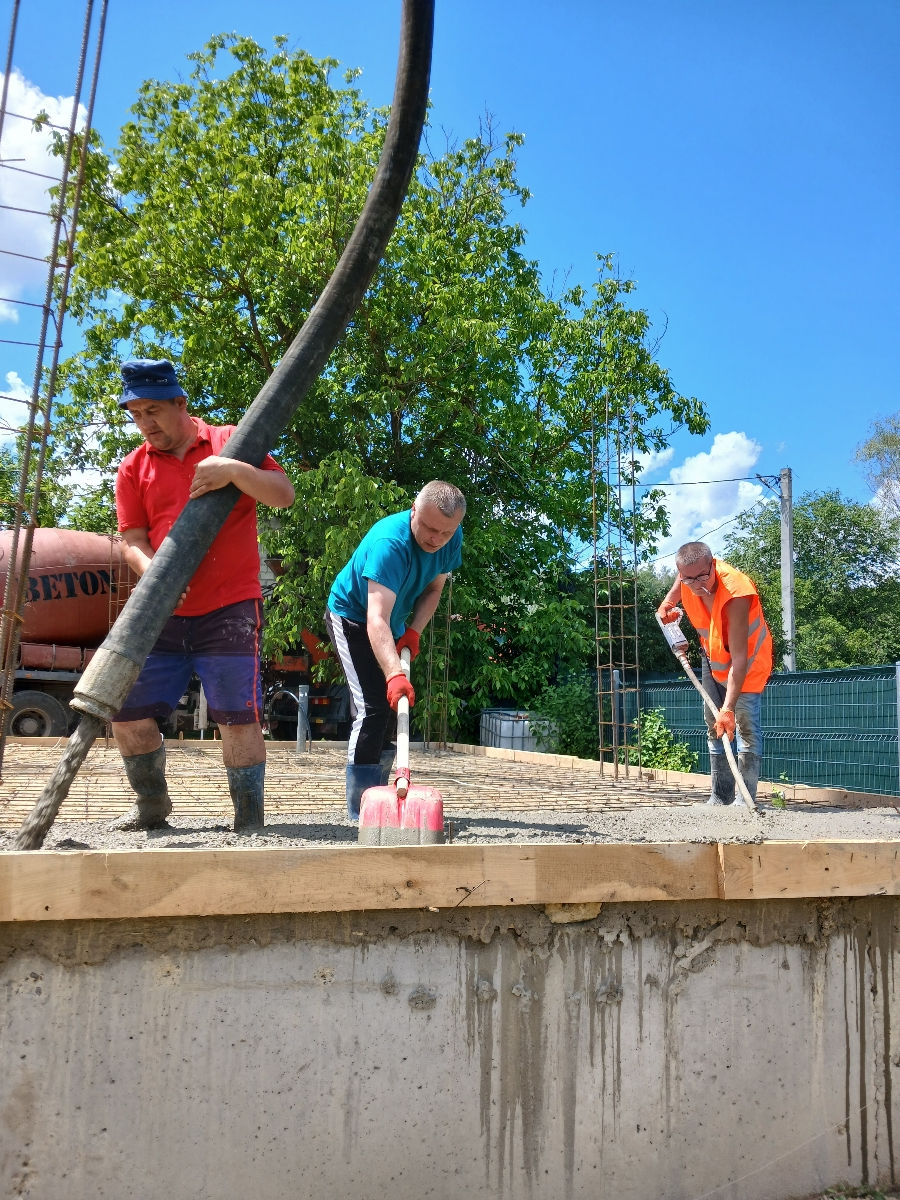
{"x":93,"y":885}
{"x":791,"y":870}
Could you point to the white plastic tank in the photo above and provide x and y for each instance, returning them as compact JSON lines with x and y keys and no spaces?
{"x":507,"y":728}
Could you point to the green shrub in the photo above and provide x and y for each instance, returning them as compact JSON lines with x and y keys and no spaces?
{"x":658,"y":747}
{"x":564,"y":718}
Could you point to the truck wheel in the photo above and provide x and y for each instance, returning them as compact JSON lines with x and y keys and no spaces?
{"x":37,"y":714}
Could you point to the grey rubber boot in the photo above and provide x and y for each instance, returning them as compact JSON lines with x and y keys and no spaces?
{"x":147,"y":776}
{"x":358,"y":779}
{"x":749,"y":767}
{"x":386,"y":762}
{"x":246,"y":785}
{"x":722,"y":780}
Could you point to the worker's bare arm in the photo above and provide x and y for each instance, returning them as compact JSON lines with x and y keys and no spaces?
{"x":426,"y":605}
{"x":672,"y":598}
{"x":137,"y":551}
{"x":379,"y":606}
{"x":272,"y":488}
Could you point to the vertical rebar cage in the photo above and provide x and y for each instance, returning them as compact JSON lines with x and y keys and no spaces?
{"x":615,"y":558}
{"x":62,"y":218}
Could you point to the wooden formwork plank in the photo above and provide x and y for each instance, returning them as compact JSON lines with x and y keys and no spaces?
{"x":793,"y":870}
{"x":75,"y":885}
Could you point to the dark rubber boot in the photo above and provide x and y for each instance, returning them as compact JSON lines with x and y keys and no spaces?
{"x":246,"y":785}
{"x":147,"y":776}
{"x":749,"y":767}
{"x":386,"y":762}
{"x":358,"y":779}
{"x":721,"y":779}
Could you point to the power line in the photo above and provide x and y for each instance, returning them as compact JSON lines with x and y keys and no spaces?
{"x":698,"y":482}
{"x":704,"y":536}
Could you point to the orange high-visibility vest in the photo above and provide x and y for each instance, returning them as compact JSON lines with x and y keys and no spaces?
{"x":713,"y":627}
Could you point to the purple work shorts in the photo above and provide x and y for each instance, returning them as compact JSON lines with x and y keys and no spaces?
{"x":222,"y":648}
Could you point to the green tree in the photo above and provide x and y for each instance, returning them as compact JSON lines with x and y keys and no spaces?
{"x":564,"y":717}
{"x":54,"y":494}
{"x":9,"y":486}
{"x":847,"y":589}
{"x":207,"y":236}
{"x":880,"y":456}
{"x":93,"y":508}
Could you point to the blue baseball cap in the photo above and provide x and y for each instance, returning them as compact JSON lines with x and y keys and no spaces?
{"x":149,"y":379}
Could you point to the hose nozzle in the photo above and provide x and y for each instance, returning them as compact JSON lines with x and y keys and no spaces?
{"x":673,"y":634}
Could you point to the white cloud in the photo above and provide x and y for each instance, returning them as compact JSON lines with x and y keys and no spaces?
{"x":13,"y":411}
{"x":700,"y":510}
{"x":27,"y":228}
{"x":655,"y":460}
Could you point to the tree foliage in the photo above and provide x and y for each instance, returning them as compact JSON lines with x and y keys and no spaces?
{"x":880,"y":456}
{"x":847,"y":587}
{"x":208,"y":234}
{"x":53,"y":498}
{"x":564,"y":717}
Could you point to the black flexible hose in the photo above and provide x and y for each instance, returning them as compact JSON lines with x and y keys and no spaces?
{"x":158,"y":591}
{"x":109,"y":677}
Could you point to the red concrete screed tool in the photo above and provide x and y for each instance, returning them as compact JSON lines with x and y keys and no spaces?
{"x":401,"y":814}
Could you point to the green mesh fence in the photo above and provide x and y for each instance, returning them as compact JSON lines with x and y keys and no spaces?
{"x":823,"y":728}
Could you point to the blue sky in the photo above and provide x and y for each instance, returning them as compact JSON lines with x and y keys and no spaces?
{"x":740,"y":160}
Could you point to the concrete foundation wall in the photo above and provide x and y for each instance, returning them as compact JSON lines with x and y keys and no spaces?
{"x":748,"y":1050}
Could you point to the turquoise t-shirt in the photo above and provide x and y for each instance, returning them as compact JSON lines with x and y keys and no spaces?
{"x":391,"y":556}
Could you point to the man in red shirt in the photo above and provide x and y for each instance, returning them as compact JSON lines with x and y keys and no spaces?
{"x":215,"y":630}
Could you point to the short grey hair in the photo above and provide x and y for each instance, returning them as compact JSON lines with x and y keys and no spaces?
{"x":443,"y":496}
{"x":692,"y":552}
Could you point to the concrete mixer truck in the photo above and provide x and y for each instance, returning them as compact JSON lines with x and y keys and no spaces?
{"x":76,"y":585}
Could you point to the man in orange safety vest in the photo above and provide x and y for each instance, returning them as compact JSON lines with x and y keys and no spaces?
{"x":723,"y":605}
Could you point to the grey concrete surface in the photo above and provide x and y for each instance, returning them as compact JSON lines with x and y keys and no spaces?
{"x":678,"y":1050}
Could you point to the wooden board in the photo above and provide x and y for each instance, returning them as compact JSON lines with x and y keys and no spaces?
{"x":74,"y":885}
{"x":788,"y":870}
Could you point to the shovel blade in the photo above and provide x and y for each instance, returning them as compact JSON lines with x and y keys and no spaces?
{"x":422,"y":816}
{"x":379,"y":816}
{"x":386,"y":820}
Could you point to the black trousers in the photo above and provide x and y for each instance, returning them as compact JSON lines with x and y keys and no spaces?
{"x":374,"y":721}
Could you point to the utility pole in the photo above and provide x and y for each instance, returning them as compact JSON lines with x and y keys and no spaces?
{"x":788,"y":625}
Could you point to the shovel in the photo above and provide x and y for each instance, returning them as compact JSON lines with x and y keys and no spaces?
{"x":678,"y":645}
{"x":398,"y":813}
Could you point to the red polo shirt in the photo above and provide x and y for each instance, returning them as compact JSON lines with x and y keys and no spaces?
{"x":151,"y":490}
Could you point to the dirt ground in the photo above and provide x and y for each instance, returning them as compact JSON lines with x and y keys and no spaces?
{"x":486,"y":799}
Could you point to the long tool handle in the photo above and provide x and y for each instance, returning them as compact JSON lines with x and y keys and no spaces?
{"x":402,"y":768}
{"x":707,"y":700}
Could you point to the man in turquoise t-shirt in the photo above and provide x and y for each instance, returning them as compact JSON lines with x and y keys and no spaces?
{"x":397,"y":572}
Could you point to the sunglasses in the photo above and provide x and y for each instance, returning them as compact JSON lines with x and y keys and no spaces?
{"x":696,"y":578}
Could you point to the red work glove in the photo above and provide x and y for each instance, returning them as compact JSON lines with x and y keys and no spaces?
{"x":668,"y":612}
{"x":725,"y":723}
{"x":397,"y":686}
{"x":409,"y":641}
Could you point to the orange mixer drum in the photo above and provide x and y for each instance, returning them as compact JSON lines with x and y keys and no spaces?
{"x":76,"y":585}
